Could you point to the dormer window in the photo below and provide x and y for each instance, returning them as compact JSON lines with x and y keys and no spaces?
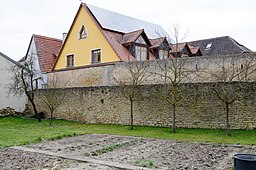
{"x":140,"y":40}
{"x":209,"y":46}
{"x":83,"y":33}
{"x":163,"y":54}
{"x":141,"y":53}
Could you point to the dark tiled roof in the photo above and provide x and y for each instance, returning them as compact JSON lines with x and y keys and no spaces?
{"x":220,"y":46}
{"x":47,"y":50}
{"x":8,"y":58}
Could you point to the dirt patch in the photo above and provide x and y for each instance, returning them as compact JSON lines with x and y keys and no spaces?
{"x":19,"y":160}
{"x":152,"y":153}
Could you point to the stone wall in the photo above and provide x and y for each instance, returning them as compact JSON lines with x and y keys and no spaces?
{"x":199,"y":109}
{"x":203,"y":69}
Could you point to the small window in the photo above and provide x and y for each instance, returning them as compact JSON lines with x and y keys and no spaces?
{"x":96,"y":56}
{"x":140,"y":40}
{"x":163,"y":54}
{"x":141,"y":53}
{"x":83,"y":33}
{"x":208,"y":46}
{"x":70,"y":60}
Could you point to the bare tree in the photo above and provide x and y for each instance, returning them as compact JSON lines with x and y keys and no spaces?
{"x":25,"y":81}
{"x":173,"y":73}
{"x":52,"y":97}
{"x":135,"y":76}
{"x":230,"y":77}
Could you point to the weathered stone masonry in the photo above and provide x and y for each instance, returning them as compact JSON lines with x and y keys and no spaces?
{"x":106,"y":105}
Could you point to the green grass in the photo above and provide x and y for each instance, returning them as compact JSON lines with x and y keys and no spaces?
{"x":20,"y":131}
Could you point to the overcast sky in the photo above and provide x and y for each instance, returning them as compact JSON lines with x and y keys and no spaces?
{"x":19,"y":19}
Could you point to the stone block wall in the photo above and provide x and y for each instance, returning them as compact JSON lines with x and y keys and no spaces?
{"x":200,"y":108}
{"x":103,"y":74}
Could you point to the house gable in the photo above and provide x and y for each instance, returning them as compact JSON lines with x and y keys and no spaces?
{"x":82,"y":48}
{"x":6,"y":98}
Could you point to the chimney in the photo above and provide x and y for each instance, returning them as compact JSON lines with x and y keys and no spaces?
{"x":64,"y":36}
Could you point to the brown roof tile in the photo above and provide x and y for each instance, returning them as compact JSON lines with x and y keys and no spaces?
{"x":178,"y":47}
{"x":115,"y":40}
{"x":193,"y":49}
{"x":47,"y":50}
{"x":156,"y":42}
{"x":132,"y":36}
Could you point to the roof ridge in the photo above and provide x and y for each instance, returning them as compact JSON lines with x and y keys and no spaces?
{"x":8,"y":58}
{"x":134,"y":31}
{"x":157,"y":38}
{"x":45,"y":37}
{"x":210,"y":38}
{"x":121,"y":14}
{"x":241,"y":46}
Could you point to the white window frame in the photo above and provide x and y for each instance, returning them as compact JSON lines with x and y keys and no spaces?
{"x":67,"y":60}
{"x":101,"y":56}
{"x":79,"y":33}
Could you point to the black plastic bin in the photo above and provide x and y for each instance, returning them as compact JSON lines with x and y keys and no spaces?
{"x":245,"y":162}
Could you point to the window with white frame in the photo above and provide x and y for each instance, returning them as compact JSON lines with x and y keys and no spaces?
{"x":96,"y":56}
{"x":83,"y":32}
{"x":163,"y":54}
{"x":141,"y":53}
{"x":70,"y":60}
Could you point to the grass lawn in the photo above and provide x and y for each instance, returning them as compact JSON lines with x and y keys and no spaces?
{"x":20,"y":131}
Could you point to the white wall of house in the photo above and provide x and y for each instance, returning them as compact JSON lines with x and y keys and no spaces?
{"x":6,"y":99}
{"x":32,"y":53}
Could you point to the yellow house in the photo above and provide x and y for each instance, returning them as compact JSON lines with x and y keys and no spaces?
{"x":98,"y":36}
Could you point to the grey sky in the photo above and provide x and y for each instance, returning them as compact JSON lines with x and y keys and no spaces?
{"x":202,"y":18}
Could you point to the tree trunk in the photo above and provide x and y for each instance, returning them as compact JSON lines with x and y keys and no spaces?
{"x":34,"y":107}
{"x":51,"y":118}
{"x":131,"y":102}
{"x":174,"y":119}
{"x":227,"y":119}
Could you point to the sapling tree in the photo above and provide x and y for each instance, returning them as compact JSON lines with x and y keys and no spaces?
{"x":230,"y":78}
{"x":52,"y":97}
{"x":173,"y":73}
{"x":135,"y":76}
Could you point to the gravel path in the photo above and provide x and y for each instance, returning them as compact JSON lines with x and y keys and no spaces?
{"x":158,"y":154}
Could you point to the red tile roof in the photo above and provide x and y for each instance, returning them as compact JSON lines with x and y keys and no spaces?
{"x":47,"y":50}
{"x":156,"y":42}
{"x":115,"y":40}
{"x":178,"y":47}
{"x":132,"y":36}
{"x":193,"y":49}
